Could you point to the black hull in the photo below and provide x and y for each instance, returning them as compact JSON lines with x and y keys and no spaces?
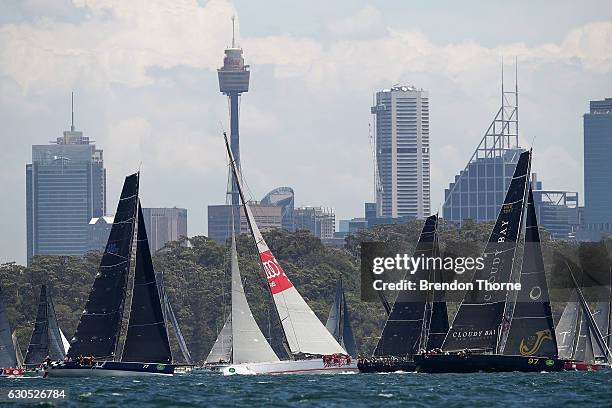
{"x":108,"y":369}
{"x":489,"y":363}
{"x":379,"y":365}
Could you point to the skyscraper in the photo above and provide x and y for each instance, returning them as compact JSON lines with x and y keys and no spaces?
{"x":65,"y":189}
{"x":401,"y":117}
{"x":598,"y":166}
{"x":477,"y":192}
{"x":164,"y":225}
{"x":321,"y":221}
{"x":220,"y":219}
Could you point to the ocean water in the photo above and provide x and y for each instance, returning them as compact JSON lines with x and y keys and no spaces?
{"x":531,"y":390}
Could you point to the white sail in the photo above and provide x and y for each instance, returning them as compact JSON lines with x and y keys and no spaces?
{"x":222,"y":349}
{"x":18,"y":354}
{"x":304,"y":331}
{"x":566,"y":328}
{"x":65,"y":342}
{"x":248,"y":342}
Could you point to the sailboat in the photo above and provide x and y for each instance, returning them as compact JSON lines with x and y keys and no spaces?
{"x":8,"y":354}
{"x":241,"y":340}
{"x":312,"y":347}
{"x":46,"y":339}
{"x":339,"y":321}
{"x":94,"y":348}
{"x":488,"y":334}
{"x":416,"y":320}
{"x":580,"y":332}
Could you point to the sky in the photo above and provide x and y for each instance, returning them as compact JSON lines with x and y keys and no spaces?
{"x":145,"y":83}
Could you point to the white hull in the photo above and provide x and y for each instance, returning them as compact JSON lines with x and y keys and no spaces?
{"x":314,"y":366}
{"x":211,"y":369}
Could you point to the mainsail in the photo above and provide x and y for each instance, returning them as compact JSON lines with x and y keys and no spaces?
{"x":480,"y":316}
{"x":46,"y":338}
{"x":532,"y":331}
{"x":221,"y":351}
{"x":339,"y":321}
{"x":8,"y":358}
{"x":147,"y":338}
{"x":248,"y":342}
{"x":567,"y":328}
{"x":303,"y":330}
{"x":98,"y":331}
{"x":404,"y":326}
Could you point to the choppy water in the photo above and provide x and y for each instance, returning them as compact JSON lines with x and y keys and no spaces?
{"x":351,"y":390}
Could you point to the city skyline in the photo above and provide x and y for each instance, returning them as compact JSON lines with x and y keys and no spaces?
{"x":163,"y":108}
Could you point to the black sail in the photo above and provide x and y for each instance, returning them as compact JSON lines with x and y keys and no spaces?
{"x":438,"y":319}
{"x":348,"y":339}
{"x":479,"y":319}
{"x":8,"y":357}
{"x":98,"y":331}
{"x":45,"y":340}
{"x":147,"y":338}
{"x":532,"y":331}
{"x":402,"y":331}
{"x":339,"y":321}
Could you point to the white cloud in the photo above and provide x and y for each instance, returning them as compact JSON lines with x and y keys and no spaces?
{"x":368,"y":20}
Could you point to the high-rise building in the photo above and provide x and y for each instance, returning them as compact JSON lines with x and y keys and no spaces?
{"x":401,"y":116}
{"x":557,"y":210}
{"x":98,"y":230}
{"x":478,"y":191}
{"x":65,"y":189}
{"x":598,"y":166}
{"x":320,"y":221}
{"x":164,"y":225}
{"x":282,"y":197}
{"x":220,"y":220}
